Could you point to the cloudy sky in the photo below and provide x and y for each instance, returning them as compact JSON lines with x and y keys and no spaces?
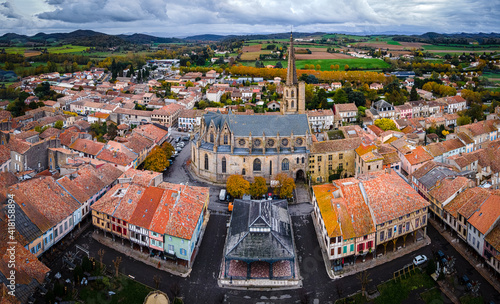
{"x":168,"y":18}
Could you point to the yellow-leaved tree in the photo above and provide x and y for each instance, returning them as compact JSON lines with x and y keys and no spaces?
{"x":258,"y":187}
{"x":237,"y":186}
{"x":157,"y":160}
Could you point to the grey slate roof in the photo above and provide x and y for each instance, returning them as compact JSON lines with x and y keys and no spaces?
{"x":25,"y":226}
{"x":274,"y":241}
{"x":430,"y":179}
{"x":271,"y":125}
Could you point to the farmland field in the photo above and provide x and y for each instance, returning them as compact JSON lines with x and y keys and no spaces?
{"x":68,"y":48}
{"x":465,"y":48}
{"x":371,"y":64}
{"x":321,"y":54}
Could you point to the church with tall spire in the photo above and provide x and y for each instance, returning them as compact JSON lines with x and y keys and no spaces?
{"x":294,"y":101}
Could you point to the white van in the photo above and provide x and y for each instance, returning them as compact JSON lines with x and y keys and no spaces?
{"x":222,"y":195}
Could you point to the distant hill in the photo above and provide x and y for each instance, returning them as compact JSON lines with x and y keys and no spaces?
{"x":458,"y":38}
{"x":86,"y":38}
{"x":144,"y":39}
{"x":207,"y":37}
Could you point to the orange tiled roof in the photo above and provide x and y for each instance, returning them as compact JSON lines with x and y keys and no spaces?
{"x":493,"y":237}
{"x":389,"y":196}
{"x":334,"y":212}
{"x":87,"y":146}
{"x":335,"y":145}
{"x":115,"y":157}
{"x":418,"y":156}
{"x":487,"y":215}
{"x":447,"y":187}
{"x":462,"y":199}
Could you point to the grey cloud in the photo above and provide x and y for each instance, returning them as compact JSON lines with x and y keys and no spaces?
{"x":74,"y":11}
{"x":7,"y":10}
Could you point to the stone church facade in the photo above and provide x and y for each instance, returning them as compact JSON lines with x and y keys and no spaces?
{"x":256,"y":145}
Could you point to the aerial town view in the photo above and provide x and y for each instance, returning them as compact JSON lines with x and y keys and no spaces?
{"x":249,"y":152}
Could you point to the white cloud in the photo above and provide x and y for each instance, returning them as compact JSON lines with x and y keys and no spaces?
{"x":181,"y":18}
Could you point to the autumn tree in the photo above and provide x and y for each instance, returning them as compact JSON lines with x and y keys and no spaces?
{"x":157,"y":160}
{"x":318,"y":67}
{"x":346,"y":67}
{"x":284,"y":185}
{"x":168,"y":148}
{"x":463,"y":120}
{"x":237,"y":186}
{"x":287,"y":188}
{"x":258,"y":187}
{"x":386,"y":124}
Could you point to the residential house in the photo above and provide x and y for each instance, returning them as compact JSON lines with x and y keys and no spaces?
{"x":415,"y":159}
{"x":189,"y":119}
{"x":320,"y":120}
{"x":347,"y":111}
{"x":167,"y":115}
{"x":367,"y":159}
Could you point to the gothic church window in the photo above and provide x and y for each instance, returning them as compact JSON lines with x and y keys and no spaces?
{"x":206,"y":162}
{"x":257,"y":165}
{"x":285,"y":165}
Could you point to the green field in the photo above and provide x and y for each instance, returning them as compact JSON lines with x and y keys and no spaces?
{"x":67,"y":48}
{"x":383,"y":39}
{"x":370,"y":64}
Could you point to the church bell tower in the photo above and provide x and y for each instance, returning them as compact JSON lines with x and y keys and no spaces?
{"x":294,"y":92}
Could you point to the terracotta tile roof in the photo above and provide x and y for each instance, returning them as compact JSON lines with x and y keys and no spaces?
{"x":140,"y":177}
{"x":152,"y":132}
{"x":465,"y":138}
{"x":391,"y":158}
{"x":335,"y":145}
{"x":50,"y":132}
{"x":18,"y":146}
{"x":138,"y":143}
{"x":87,"y":146}
{"x":82,"y":124}
{"x":128,"y":202}
{"x":318,"y":113}
{"x":146,"y":207}
{"x":389,"y":196}
{"x":445,"y":188}
{"x":25,"y":135}
{"x":493,"y":237}
{"x":487,"y":214}
{"x":108,"y":173}
{"x":473,"y":204}
{"x":7,"y":179}
{"x":358,"y":210}
{"x":435,"y":149}
{"x":88,"y":180}
{"x":345,"y":107}
{"x":74,"y":189}
{"x":334,"y":212}
{"x":375,"y":129}
{"x":68,"y":136}
{"x":4,"y":154}
{"x":418,"y":156}
{"x":184,"y":210}
{"x":463,"y":198}
{"x":44,"y":201}
{"x":115,"y":157}
{"x":109,"y":202}
{"x":452,"y":144}
{"x":481,"y":127}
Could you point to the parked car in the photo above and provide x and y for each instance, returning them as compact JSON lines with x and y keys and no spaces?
{"x":419,"y":259}
{"x":181,"y":144}
{"x":178,"y":149}
{"x":464,"y":279}
{"x":177,"y":139}
{"x":185,"y":138}
{"x":222,"y":195}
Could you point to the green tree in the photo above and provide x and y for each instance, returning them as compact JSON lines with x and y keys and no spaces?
{"x":340,"y":96}
{"x":386,"y":124}
{"x":156,"y":160}
{"x":59,"y":124}
{"x":258,"y":187}
{"x":413,"y":94}
{"x":237,"y":186}
{"x":463,"y":120}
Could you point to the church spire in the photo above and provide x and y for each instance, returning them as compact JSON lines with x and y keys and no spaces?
{"x":291,"y":73}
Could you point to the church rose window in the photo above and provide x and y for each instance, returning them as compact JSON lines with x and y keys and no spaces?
{"x":284,"y":142}
{"x":270,"y":142}
{"x":241,"y":142}
{"x":299,"y":141}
